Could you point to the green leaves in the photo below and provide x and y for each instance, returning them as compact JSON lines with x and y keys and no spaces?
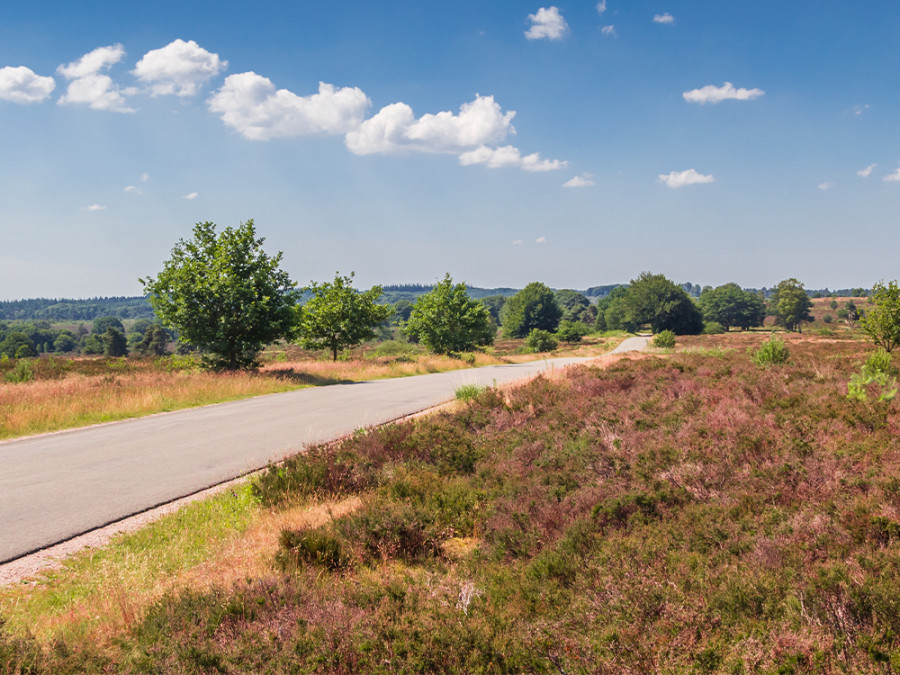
{"x":882,"y":320}
{"x":791,"y":304}
{"x":447,"y":320}
{"x":534,"y":306}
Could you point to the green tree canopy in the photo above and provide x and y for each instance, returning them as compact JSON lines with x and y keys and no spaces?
{"x":155,"y":341}
{"x":447,"y":320}
{"x":338,"y":316}
{"x":223,"y":294}
{"x":730,"y":305}
{"x":494,"y":304}
{"x":574,"y":305}
{"x":882,"y":319}
{"x":101,"y":323}
{"x":790,"y":304}
{"x":17,"y":345}
{"x":533,"y":307}
{"x":114,"y":342}
{"x":653,"y":299}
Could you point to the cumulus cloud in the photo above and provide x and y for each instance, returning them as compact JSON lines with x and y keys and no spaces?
{"x":859,"y":109}
{"x":547,"y":23}
{"x":250,"y":104}
{"x":509,"y":156}
{"x":601,"y":6}
{"x":133,"y":189}
{"x":395,"y":129}
{"x":90,"y":87}
{"x":609,"y":30}
{"x":678,"y":179}
{"x":179,"y":68}
{"x":145,"y":177}
{"x":892,"y":177}
{"x":826,"y":186}
{"x":665,"y":18}
{"x":517,"y":242}
{"x":713,"y":94}
{"x":94,"y":207}
{"x":22,"y":85}
{"x":865,"y":173}
{"x":540,"y":240}
{"x":191,"y":195}
{"x":584,"y":180}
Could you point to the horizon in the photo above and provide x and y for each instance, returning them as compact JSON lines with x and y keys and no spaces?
{"x":503,"y":143}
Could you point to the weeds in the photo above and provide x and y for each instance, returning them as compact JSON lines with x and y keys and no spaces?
{"x":770,"y":353}
{"x":664,"y":340}
{"x":468,"y":392}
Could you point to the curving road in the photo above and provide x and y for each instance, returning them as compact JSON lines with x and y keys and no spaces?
{"x":56,"y":486}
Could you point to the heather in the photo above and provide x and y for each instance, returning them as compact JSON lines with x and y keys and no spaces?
{"x":689,"y":512}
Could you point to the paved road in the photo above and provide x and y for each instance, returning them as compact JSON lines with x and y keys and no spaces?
{"x":56,"y":486}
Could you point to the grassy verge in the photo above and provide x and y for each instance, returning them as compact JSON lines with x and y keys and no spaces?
{"x":687,"y":513}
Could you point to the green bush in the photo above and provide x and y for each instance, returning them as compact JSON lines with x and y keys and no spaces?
{"x":664,"y":339}
{"x":541,"y":340}
{"x":828,"y":318}
{"x":571,"y":331}
{"x":770,"y":352}
{"x":23,"y":372}
{"x":314,"y":547}
{"x":712,"y":328}
{"x":878,"y":370}
{"x":467,"y":392}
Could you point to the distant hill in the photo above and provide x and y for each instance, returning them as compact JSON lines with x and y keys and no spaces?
{"x":67,"y":309}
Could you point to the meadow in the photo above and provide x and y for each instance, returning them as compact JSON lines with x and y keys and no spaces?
{"x":684,"y":511}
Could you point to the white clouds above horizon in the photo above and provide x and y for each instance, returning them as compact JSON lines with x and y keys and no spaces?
{"x":191,"y":195}
{"x":609,"y":30}
{"x":665,"y":18}
{"x":250,"y":104}
{"x":893,"y":176}
{"x":865,"y":173}
{"x":509,"y":156}
{"x":179,"y":68}
{"x":679,"y":179}
{"x":547,"y":23}
{"x":22,"y":85}
{"x":94,"y":207}
{"x":826,"y":186}
{"x":584,"y":180}
{"x":712,"y":94}
{"x":601,"y":6}
{"x":540,"y":240}
{"x":89,"y":87}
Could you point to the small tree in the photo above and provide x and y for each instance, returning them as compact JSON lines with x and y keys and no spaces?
{"x":155,"y":341}
{"x":571,"y":331}
{"x":222,"y":293}
{"x":730,"y":305}
{"x":101,"y":323}
{"x":533,"y":307}
{"x":447,"y":320}
{"x":791,"y":304}
{"x":882,"y":319}
{"x":114,"y":342}
{"x":338,"y":316}
{"x":541,"y":340}
{"x":654,"y":299}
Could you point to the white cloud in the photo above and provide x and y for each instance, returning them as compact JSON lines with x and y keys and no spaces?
{"x":22,"y":85}
{"x":865,"y":173}
{"x":860,"y":109}
{"x":191,"y":195}
{"x":94,"y":207}
{"x":145,"y":177}
{"x":250,"y":104}
{"x":132,"y":189}
{"x":663,"y":18}
{"x":547,"y":23}
{"x":540,"y":240}
{"x":584,"y":180}
{"x":88,"y":86}
{"x":826,"y":186}
{"x":395,"y":129}
{"x":609,"y":30}
{"x":677,"y":179}
{"x":601,"y":6}
{"x":517,"y":242}
{"x":509,"y":156}
{"x":892,"y":177}
{"x":713,"y":94}
{"x":179,"y":68}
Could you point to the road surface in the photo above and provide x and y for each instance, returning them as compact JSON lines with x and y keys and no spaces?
{"x":56,"y":486}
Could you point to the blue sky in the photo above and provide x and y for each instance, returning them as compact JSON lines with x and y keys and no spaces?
{"x":576,"y":144}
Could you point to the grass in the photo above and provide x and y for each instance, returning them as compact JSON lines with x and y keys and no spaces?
{"x":66,"y":393}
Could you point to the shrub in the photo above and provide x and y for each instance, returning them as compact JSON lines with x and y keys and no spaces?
{"x":664,"y":340}
{"x":878,"y":370}
{"x":712,"y":328}
{"x":828,"y":318}
{"x":541,"y":341}
{"x":23,"y":372}
{"x":315,"y":547}
{"x":770,"y":352}
{"x":467,"y":392}
{"x":571,"y":331}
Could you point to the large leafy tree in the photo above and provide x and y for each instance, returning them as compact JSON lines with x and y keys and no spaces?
{"x":575,"y":306}
{"x":222,"y":293}
{"x":882,"y":319}
{"x":653,"y":299}
{"x":533,"y":307}
{"x":730,"y":305}
{"x":338,"y":316}
{"x":791,"y":304}
{"x":447,"y":320}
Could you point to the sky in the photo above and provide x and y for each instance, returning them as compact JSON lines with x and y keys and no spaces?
{"x":576,"y":144}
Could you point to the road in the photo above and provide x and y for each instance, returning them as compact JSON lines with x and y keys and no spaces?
{"x":56,"y":486}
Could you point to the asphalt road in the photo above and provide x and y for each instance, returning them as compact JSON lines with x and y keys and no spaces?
{"x":56,"y":486}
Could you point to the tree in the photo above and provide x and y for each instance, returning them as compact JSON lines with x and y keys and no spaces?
{"x":447,"y":320}
{"x":17,"y":345}
{"x":155,"y":341}
{"x":532,"y":307}
{"x":494,"y":304}
{"x":65,"y":342}
{"x":571,"y":331}
{"x":101,"y":323}
{"x":730,"y":305}
{"x":574,"y":305}
{"x":223,"y":294}
{"x":611,"y":313}
{"x":882,"y":319}
{"x":338,"y":316}
{"x":114,"y":342}
{"x":653,"y":299}
{"x":791,"y":304}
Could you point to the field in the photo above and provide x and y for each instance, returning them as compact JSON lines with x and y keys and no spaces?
{"x":675,"y":512}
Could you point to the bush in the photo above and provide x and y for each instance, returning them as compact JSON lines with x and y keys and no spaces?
{"x":467,"y":392}
{"x":571,"y":331}
{"x":828,"y":318}
{"x":770,"y":352}
{"x":712,"y":328}
{"x":664,"y":340}
{"x":877,"y":370}
{"x":541,"y":341}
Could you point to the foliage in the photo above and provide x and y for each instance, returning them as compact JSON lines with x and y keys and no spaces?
{"x":771,"y":352}
{"x":468,"y":392}
{"x":571,"y":331}
{"x":222,"y":293}
{"x":65,"y":342}
{"x":338,"y":316}
{"x":74,"y":310}
{"x":653,"y":299}
{"x":533,"y":307}
{"x":447,"y":320}
{"x":791,"y":305}
{"x":730,"y":305}
{"x":155,"y":341}
{"x":611,"y":311}
{"x":664,"y":339}
{"x":101,"y":323}
{"x":713,"y":328}
{"x":494,"y":304}
{"x":575,"y":306}
{"x":114,"y":342}
{"x":17,"y":345}
{"x":882,"y":319}
{"x":878,"y":371}
{"x":22,"y":372}
{"x":539,"y":340}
